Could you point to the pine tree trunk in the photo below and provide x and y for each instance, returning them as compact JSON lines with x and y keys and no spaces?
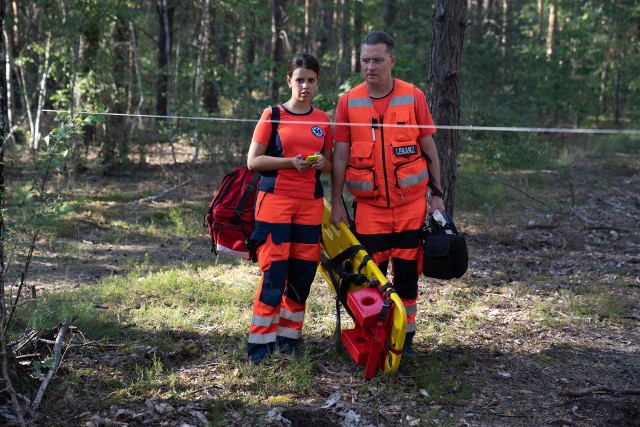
{"x":444,"y":87}
{"x":165,"y":18}
{"x":325,"y":41}
{"x":8,"y":366}
{"x":357,"y":37}
{"x":345,"y":43}
{"x":277,"y":25}
{"x":389,"y":15}
{"x":211,"y":83}
{"x":3,"y":117}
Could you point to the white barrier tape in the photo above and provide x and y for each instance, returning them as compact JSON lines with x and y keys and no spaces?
{"x":438,"y":127}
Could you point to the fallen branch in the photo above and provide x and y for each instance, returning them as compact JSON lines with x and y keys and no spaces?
{"x":161,"y":195}
{"x":57,"y":350}
{"x":606,"y":228}
{"x":600,"y":389}
{"x":541,"y":227}
{"x":204,"y":389}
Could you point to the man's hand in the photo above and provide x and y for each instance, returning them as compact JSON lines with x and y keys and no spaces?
{"x":338,"y":215}
{"x":436,"y":203}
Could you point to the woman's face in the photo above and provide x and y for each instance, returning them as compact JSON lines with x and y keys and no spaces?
{"x":303,"y":83}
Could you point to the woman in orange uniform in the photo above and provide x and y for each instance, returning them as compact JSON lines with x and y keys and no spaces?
{"x":289,"y":210}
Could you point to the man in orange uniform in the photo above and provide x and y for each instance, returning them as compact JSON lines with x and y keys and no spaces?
{"x":382,"y":127}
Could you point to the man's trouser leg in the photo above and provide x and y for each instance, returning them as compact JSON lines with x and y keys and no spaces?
{"x":394,"y":233}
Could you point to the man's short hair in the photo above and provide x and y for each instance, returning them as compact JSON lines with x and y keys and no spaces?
{"x":378,"y":37}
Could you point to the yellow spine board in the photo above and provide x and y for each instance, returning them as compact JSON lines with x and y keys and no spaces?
{"x":333,"y":243}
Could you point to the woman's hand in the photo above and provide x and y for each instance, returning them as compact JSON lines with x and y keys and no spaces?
{"x":300,"y":164}
{"x":303,"y":165}
{"x":319,"y":164}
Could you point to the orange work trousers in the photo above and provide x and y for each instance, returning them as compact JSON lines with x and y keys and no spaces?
{"x":394,"y":234}
{"x":288,"y":231}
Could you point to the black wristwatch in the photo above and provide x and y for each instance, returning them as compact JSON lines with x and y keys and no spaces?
{"x":436,"y":192}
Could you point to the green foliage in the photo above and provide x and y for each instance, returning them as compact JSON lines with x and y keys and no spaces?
{"x":508,"y":78}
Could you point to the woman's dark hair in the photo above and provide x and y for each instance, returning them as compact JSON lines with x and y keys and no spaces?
{"x":303,"y":60}
{"x":378,"y":37}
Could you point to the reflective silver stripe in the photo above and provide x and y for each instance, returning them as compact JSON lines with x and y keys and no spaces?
{"x":265,"y":321}
{"x":411,"y":327}
{"x":289,"y":333}
{"x":296,"y":317}
{"x":411,"y":309}
{"x":360,"y":102}
{"x":262,"y":338}
{"x":400,"y":100}
{"x":359,"y":185}
{"x":413,"y":179}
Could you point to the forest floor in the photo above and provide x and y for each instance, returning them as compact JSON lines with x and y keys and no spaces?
{"x":544,"y":328}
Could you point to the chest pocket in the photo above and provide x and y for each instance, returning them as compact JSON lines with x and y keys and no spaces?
{"x":362,"y":154}
{"x":405,"y":129}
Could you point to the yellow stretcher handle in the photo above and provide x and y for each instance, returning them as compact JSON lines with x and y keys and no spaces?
{"x":333,"y":242}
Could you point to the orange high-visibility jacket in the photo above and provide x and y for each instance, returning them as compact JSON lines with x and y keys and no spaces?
{"x":386,"y":167}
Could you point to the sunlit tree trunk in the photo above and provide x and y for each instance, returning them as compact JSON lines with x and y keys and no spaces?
{"x":540,"y":8}
{"x":7,"y":77}
{"x":444,"y":87}
{"x":551,"y":29}
{"x":42,"y":95}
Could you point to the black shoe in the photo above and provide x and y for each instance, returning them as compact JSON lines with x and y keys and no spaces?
{"x":259,"y":353}
{"x":407,"y":351}
{"x":288,"y":346}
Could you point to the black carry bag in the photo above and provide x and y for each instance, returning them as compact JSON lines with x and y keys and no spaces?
{"x":444,"y":250}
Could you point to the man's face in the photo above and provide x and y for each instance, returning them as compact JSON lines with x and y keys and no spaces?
{"x":376,"y":63}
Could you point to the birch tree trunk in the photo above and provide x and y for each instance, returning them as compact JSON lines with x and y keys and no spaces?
{"x":444,"y":87}
{"x":42,"y":94}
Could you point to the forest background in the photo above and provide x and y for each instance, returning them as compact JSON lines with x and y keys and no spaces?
{"x":542,"y":63}
{"x":178,"y":87}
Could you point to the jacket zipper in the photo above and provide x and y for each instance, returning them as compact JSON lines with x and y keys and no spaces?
{"x":384,"y":163}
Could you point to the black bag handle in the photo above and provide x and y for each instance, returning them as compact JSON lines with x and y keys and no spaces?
{"x":248,"y":190}
{"x":435,"y":190}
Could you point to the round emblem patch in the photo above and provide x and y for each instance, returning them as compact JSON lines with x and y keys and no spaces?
{"x":317,"y":131}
